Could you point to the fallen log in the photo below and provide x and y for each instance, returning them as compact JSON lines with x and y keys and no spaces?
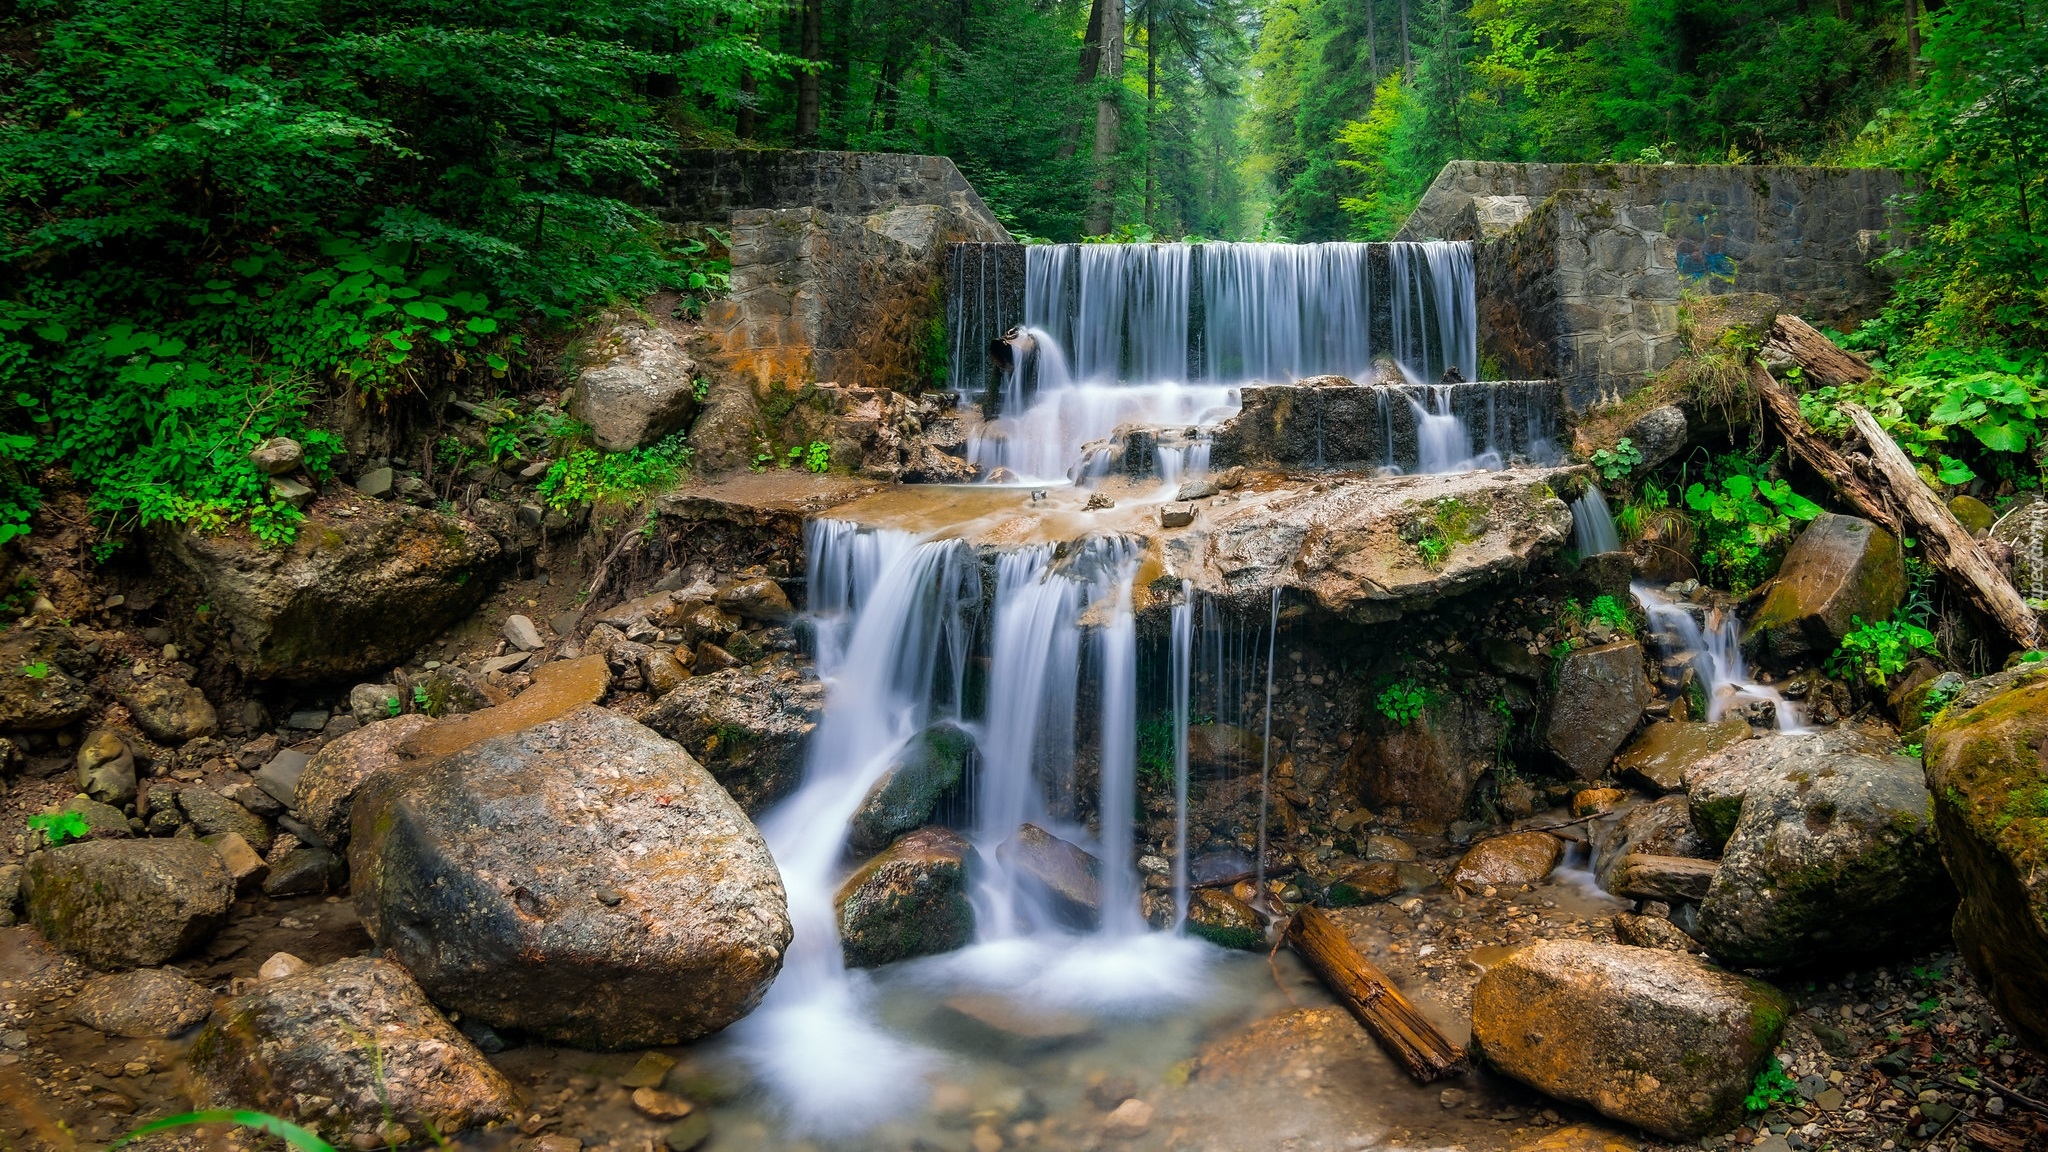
{"x":1647,"y":877}
{"x":1792,"y":340}
{"x":1946,"y":543}
{"x":1817,"y":454}
{"x":1401,"y":1029}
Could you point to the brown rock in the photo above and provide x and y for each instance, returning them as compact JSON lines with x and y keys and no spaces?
{"x":326,"y":791}
{"x":760,"y":598}
{"x":1597,"y":801}
{"x":127,"y":903}
{"x":165,"y":707}
{"x":1659,"y":756}
{"x":146,"y":1003}
{"x":1508,"y":861}
{"x":243,"y":864}
{"x":1652,"y":932}
{"x":558,"y":689}
{"x":912,"y":900}
{"x":335,"y":1047}
{"x":655,"y":1104}
{"x":1664,"y":877}
{"x":1647,"y":1037}
{"x":1841,"y":570}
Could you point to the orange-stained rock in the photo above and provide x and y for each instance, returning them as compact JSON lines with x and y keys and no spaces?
{"x":558,"y":689}
{"x":1517,"y":858}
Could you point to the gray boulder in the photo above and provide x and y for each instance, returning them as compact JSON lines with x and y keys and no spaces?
{"x":912,"y":900}
{"x":1840,"y":570}
{"x":348,"y":596}
{"x":640,"y":387}
{"x":39,"y":684}
{"x":1658,"y":434}
{"x":326,"y":789}
{"x":106,"y":767}
{"x":165,"y":707}
{"x":1715,"y":784}
{"x":748,"y":727}
{"x":145,"y":1003}
{"x":582,"y":879}
{"x":1653,"y":1038}
{"x":929,"y":768}
{"x":1595,"y":703}
{"x":212,"y":814}
{"x":127,"y":903}
{"x":1064,"y":876}
{"x":342,"y":1047}
{"x":1834,"y":858}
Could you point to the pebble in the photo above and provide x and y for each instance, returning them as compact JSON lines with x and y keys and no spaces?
{"x":689,"y":1134}
{"x":655,"y":1104}
{"x":280,"y":965}
{"x":648,"y":1072}
{"x":1131,"y":1119}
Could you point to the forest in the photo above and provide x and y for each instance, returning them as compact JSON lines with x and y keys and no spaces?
{"x":215,"y":219}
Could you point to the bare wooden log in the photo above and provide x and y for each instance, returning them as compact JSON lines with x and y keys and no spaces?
{"x":1404,"y":1032}
{"x":1794,"y":340}
{"x":1647,"y":877}
{"x":1817,"y":454}
{"x":1946,"y":543}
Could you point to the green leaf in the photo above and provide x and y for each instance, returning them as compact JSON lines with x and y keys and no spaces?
{"x":2002,"y":436}
{"x":426,"y":310}
{"x":54,"y":332}
{"x":481,"y":325}
{"x":285,"y":1130}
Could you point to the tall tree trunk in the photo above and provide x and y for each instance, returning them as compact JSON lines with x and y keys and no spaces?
{"x":1151,"y":96}
{"x":1913,"y":41}
{"x":1407,"y":63}
{"x":813,"y":48}
{"x":887,"y":96}
{"x":839,"y":69}
{"x":749,"y":86}
{"x":1108,"y":120}
{"x":1846,"y":10}
{"x":1091,"y":52}
{"x":1372,"y":43}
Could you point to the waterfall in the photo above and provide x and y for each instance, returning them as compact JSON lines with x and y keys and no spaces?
{"x":1593,"y":525}
{"x":1285,"y":311}
{"x":1717,"y":653}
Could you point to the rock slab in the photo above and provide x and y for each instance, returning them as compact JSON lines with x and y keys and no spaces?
{"x":1599,"y":696}
{"x":583,"y":879}
{"x":1652,"y":1038}
{"x":328,"y":1047}
{"x":148,"y":1003}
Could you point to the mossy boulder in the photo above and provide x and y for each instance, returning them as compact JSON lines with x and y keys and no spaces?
{"x":1836,"y":858}
{"x":127,"y":903}
{"x":1224,"y":920}
{"x":1716,"y":784}
{"x":749,"y":727}
{"x":1842,"y":569}
{"x":927,"y":770}
{"x":1653,"y":1038}
{"x":912,"y":900}
{"x":1596,"y":699}
{"x":1987,"y":766}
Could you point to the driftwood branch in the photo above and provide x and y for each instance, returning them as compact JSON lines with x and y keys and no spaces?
{"x":1795,"y":341}
{"x":1818,"y":454}
{"x":1947,"y":544}
{"x":1404,"y":1032}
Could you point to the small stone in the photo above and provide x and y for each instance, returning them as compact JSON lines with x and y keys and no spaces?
{"x":1198,"y":489}
{"x":1451,"y":1097}
{"x":148,"y":1003}
{"x":1231,"y":477}
{"x":986,"y":1139}
{"x":1388,"y":848}
{"x":689,"y":1134}
{"x":306,"y":870}
{"x":649,"y":1071}
{"x":1828,"y":1100}
{"x":291,"y":491}
{"x":277,"y":455}
{"x":655,"y":1104}
{"x":375,"y":482}
{"x":280,"y":965}
{"x":712,"y":658}
{"x":243,"y":864}
{"x":522,"y":634}
{"x":307,"y":720}
{"x":369,"y":703}
{"x":106,"y":767}
{"x":1132,"y":1118}
{"x":555,"y":1144}
{"x":1596,"y":801}
{"x":1097,"y":503}
{"x":1176,"y":515}
{"x":280,"y":777}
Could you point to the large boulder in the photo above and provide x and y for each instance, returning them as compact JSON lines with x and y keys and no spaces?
{"x":584,"y":879}
{"x":348,"y":596}
{"x":326,"y":791}
{"x":127,"y":903}
{"x":912,"y":900}
{"x":1597,"y":696}
{"x":750,"y":728}
{"x":1427,"y":767}
{"x":928,"y":769}
{"x":1652,"y":1038}
{"x":346,"y":1049}
{"x":1660,"y":754}
{"x":41,"y":684}
{"x":1835,"y":858}
{"x":1514,"y":859}
{"x":1715,"y":784}
{"x":639,"y":385}
{"x":1987,"y":767}
{"x":1841,"y":570}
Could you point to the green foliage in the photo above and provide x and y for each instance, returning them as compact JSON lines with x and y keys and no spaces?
{"x":36,"y":670}
{"x":590,"y":476}
{"x":299,"y":1138}
{"x":1931,"y":399}
{"x":1611,"y":612}
{"x":1745,"y":519}
{"x":1403,"y":702}
{"x":1447,"y":522}
{"x":214,"y":220}
{"x":1616,"y":463}
{"x":815,"y":457}
{"x":1938,"y":698}
{"x":59,"y":827}
{"x":1873,"y":652}
{"x":1771,"y":1089}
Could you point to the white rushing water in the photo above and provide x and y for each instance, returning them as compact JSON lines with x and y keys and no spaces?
{"x":1109,"y":338}
{"x":1593,"y":529}
{"x":1717,"y":652}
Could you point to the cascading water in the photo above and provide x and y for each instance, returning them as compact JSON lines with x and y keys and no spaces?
{"x":1593,"y":530}
{"x":1164,"y":334}
{"x":1717,"y":656}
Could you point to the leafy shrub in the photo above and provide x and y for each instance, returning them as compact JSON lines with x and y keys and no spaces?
{"x":1403,"y":702}
{"x":1873,"y":652}
{"x":1616,"y":463}
{"x":589,"y":476}
{"x":1771,"y":1088}
{"x":1745,"y":520}
{"x":1449,"y":522}
{"x":1613,"y":613}
{"x":59,"y":827}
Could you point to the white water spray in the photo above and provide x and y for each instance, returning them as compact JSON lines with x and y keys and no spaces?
{"x":1718,"y":647}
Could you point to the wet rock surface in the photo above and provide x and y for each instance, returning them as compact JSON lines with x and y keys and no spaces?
{"x":1842,"y":570}
{"x":928,"y":769}
{"x":325,"y":792}
{"x":1652,"y":1038}
{"x":747,"y":726}
{"x":1660,"y":754}
{"x":1599,"y":697}
{"x":584,"y":879}
{"x":148,"y":1002}
{"x":912,"y":900}
{"x":346,"y":1049}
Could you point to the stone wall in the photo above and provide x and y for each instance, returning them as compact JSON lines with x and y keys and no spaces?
{"x":838,"y":261}
{"x":1582,"y":268}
